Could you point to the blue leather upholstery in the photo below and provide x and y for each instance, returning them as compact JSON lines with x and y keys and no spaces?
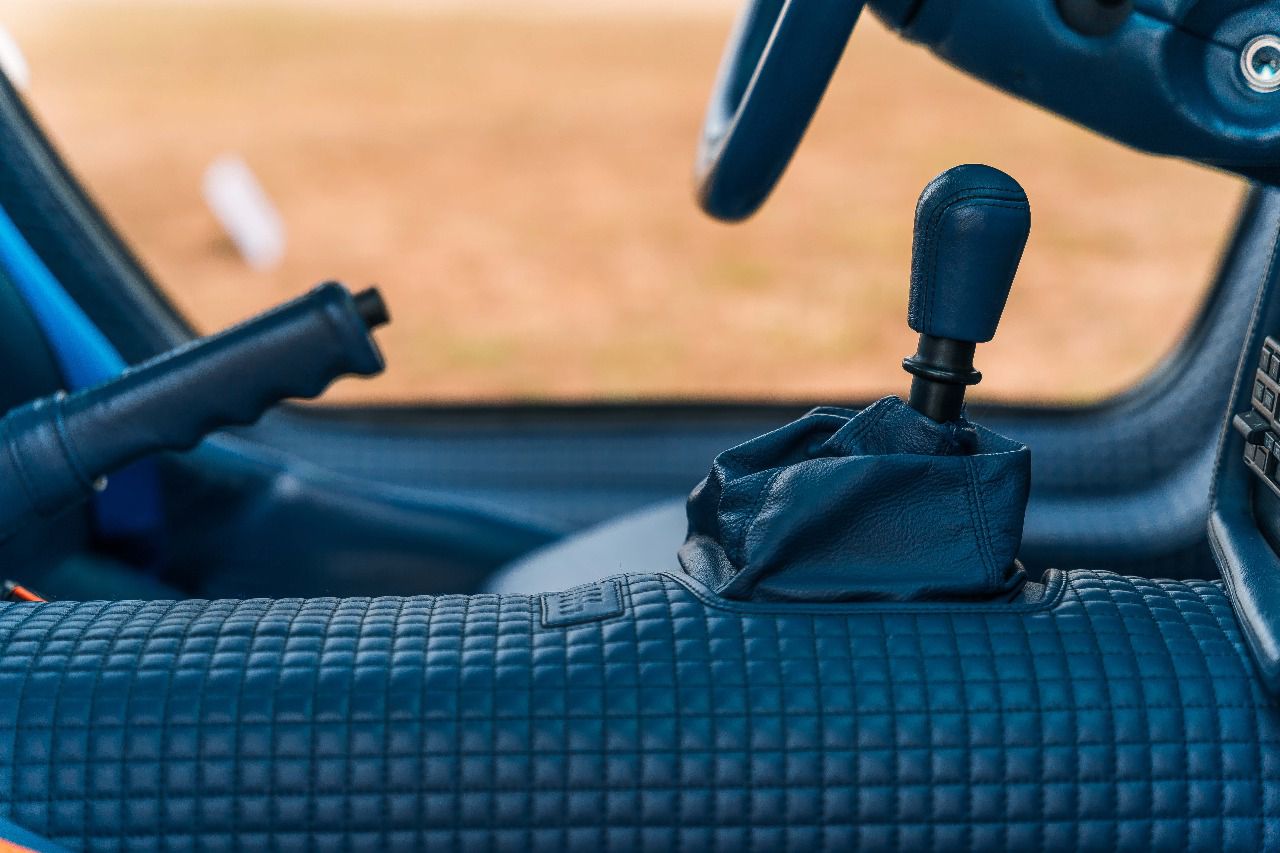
{"x":971,"y":226}
{"x":1114,"y":713}
{"x":882,"y":504}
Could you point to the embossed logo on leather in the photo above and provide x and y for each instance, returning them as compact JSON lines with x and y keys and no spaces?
{"x":586,"y":603}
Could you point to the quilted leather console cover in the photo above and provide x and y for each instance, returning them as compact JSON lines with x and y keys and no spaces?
{"x":641,"y":713}
{"x":878,"y":504}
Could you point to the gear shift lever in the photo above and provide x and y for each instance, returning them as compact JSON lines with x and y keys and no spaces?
{"x":971,"y":226}
{"x":896,"y":502}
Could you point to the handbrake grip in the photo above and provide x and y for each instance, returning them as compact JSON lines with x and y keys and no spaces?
{"x":57,"y":449}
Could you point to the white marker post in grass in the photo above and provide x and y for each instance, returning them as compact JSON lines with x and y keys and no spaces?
{"x":241,"y":205}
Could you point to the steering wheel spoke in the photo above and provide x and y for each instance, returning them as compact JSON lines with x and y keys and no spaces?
{"x":776,"y":67}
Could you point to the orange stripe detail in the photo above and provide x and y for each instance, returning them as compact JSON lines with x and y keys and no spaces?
{"x":10,"y":847}
{"x":21,"y":593}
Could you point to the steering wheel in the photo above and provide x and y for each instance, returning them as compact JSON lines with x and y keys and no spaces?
{"x":775,"y":69}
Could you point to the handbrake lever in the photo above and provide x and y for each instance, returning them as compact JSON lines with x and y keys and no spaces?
{"x":55,"y":451}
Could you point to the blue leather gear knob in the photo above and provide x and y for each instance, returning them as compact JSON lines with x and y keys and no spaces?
{"x":971,"y":226}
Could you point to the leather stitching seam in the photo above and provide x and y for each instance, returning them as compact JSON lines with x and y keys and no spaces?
{"x":999,"y":197}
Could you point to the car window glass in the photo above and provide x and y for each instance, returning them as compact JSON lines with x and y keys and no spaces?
{"x":516,"y":178}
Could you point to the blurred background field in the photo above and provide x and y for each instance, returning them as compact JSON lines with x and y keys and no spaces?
{"x":517,"y":179}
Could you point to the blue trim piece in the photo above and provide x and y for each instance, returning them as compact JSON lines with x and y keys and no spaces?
{"x":85,"y":355}
{"x":14,"y":834}
{"x":130,"y":506}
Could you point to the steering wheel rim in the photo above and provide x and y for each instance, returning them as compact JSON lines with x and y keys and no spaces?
{"x":776,"y":67}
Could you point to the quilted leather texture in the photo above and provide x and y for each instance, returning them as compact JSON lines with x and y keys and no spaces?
{"x":882,"y":504}
{"x":1117,"y":713}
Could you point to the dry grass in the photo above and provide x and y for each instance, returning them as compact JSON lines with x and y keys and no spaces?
{"x":519,"y":186}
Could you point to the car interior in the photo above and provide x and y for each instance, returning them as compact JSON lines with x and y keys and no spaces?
{"x":239,"y":622}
